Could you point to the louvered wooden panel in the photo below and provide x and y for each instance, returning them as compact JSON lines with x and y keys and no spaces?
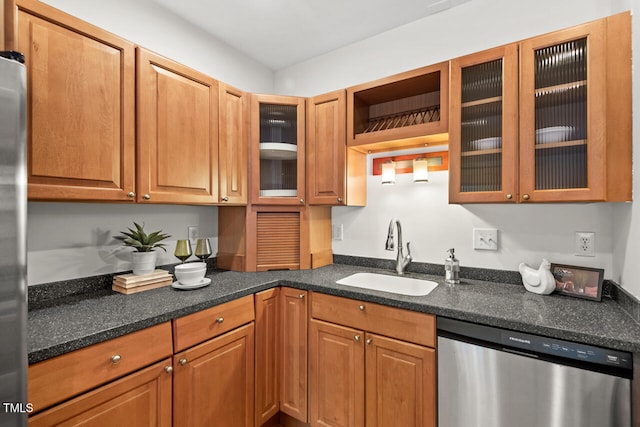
{"x":278,"y":241}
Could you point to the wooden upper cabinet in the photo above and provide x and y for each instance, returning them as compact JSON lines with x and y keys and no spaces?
{"x":561,"y":132}
{"x":326,"y":149}
{"x":277,"y":150}
{"x":405,"y":110}
{"x":336,"y":174}
{"x":80,"y":107}
{"x":483,"y":127}
{"x":233,"y":144}
{"x":177,"y":116}
{"x":575,"y":113}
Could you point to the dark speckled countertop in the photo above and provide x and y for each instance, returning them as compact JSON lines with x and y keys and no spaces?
{"x":80,"y":322}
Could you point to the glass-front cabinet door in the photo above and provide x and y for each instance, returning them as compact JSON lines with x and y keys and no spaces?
{"x":483,"y":127}
{"x":277,"y":150}
{"x":562,"y":115}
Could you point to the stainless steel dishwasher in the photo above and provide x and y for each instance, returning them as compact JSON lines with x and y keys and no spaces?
{"x":490,"y":377}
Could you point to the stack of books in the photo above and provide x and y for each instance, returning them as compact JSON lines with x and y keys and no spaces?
{"x":130,"y":283}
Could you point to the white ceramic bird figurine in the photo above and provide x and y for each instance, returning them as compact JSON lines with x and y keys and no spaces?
{"x":538,"y":281}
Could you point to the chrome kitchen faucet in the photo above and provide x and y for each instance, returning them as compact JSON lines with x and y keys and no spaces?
{"x":401,"y":260}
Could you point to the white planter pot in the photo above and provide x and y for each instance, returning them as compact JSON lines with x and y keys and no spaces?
{"x":143,"y":262}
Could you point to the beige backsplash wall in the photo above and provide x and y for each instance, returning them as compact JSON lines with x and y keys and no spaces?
{"x":527,"y":233}
{"x":73,"y":240}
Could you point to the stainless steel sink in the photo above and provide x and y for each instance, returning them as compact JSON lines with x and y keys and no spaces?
{"x":393,"y":284}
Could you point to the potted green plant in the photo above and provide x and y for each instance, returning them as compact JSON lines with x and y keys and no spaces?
{"x":144,"y":257}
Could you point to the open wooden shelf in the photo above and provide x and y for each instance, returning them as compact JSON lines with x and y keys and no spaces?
{"x":401,"y":111}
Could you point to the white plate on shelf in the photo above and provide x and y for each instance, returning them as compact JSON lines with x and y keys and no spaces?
{"x":204,"y":282}
{"x":554,"y":134}
{"x":278,"y":193}
{"x":486,"y":143}
{"x":278,"y":151}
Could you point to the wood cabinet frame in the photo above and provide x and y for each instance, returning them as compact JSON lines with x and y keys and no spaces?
{"x":99,"y":161}
{"x":254,"y":150}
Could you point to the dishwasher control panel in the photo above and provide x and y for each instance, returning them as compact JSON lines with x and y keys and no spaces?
{"x":535,"y":345}
{"x":567,"y":349}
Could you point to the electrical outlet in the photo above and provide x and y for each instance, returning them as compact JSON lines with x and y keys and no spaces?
{"x":192,"y":234}
{"x":485,"y":239}
{"x":337,"y":232}
{"x":585,"y":243}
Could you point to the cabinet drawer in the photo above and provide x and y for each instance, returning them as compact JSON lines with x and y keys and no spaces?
{"x":198,"y":327}
{"x":59,"y":378}
{"x":393,"y":322}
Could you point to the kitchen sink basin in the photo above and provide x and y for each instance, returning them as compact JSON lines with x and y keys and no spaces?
{"x":393,"y":284}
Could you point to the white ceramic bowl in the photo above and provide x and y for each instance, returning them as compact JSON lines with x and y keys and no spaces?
{"x":191,"y":273}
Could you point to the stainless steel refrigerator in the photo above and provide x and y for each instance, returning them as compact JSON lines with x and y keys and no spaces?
{"x":13,"y":253}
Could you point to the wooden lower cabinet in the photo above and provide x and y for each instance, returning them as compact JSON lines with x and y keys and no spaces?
{"x":294,"y":357}
{"x":139,"y":399}
{"x":267,"y":363}
{"x":336,"y":374}
{"x":359,"y":377}
{"x":400,"y":383}
{"x":214,"y":381}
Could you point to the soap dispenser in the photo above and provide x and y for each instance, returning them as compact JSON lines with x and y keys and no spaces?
{"x":452,"y":268}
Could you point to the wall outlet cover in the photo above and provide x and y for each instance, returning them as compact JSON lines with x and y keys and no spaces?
{"x":585,"y":244}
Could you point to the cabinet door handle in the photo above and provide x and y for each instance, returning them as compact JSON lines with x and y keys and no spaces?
{"x":369,"y":341}
{"x":115,"y":359}
{"x":225,"y":199}
{"x":146,"y":197}
{"x":220,"y":319}
{"x":302,"y":201}
{"x":182,"y":362}
{"x":525,"y":196}
{"x":509,"y":196}
{"x":361,"y":307}
{"x":356,"y":338}
{"x":131,"y":195}
{"x":339,"y":199}
{"x":168,"y":369}
{"x":301,"y":296}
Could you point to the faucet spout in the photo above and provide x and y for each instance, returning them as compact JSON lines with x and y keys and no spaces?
{"x":402,"y":261}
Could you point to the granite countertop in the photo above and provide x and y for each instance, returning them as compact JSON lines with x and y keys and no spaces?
{"x":80,"y":322}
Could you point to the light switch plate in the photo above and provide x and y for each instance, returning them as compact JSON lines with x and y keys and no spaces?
{"x":485,"y":239}
{"x":192,"y":233}
{"x":337,"y":232}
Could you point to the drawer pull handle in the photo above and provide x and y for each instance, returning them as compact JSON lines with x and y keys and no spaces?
{"x":168,"y":369}
{"x":183,"y":362}
{"x":115,"y":359}
{"x":361,"y":307}
{"x":301,"y":296}
{"x":356,"y":338}
{"x":220,"y":319}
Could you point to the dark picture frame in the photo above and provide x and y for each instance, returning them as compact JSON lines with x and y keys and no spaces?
{"x":579,"y":282}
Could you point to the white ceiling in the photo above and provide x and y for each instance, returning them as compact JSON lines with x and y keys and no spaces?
{"x":280,"y":33}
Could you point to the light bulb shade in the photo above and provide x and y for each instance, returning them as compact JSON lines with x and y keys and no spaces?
{"x":420,"y":170}
{"x":389,"y":172}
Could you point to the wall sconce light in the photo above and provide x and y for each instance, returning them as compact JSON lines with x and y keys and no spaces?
{"x":418,"y":164}
{"x":389,"y":172}
{"x":420,"y":170}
